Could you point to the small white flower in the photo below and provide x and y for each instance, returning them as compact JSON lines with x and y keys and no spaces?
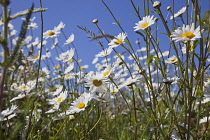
{"x":59,"y":99}
{"x":172,"y":59}
{"x":179,"y":13}
{"x":51,"y":33}
{"x":96,"y":82}
{"x":60,"y":26}
{"x":66,"y":56}
{"x":80,"y":103}
{"x":70,"y":39}
{"x":144,"y":23}
{"x":118,"y":40}
{"x":204,"y":120}
{"x":69,"y":68}
{"x":104,"y":52}
{"x":186,"y":33}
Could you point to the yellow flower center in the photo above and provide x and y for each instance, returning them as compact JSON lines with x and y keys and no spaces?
{"x":173,"y":60}
{"x":36,"y":57}
{"x":144,"y":25}
{"x":106,"y":73}
{"x":97,"y":83}
{"x":113,"y":92}
{"x":118,"y":41}
{"x":12,"y":67}
{"x":81,"y":105}
{"x":59,"y":99}
{"x":23,"y":87}
{"x":67,"y":75}
{"x":82,"y":68}
{"x":50,"y":33}
{"x":56,"y":66}
{"x":189,"y":35}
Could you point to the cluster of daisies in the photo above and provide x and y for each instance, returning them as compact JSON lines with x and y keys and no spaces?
{"x":66,"y":83}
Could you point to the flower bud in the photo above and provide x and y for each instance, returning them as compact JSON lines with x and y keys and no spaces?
{"x":169,"y":8}
{"x":156,"y":19}
{"x":95,"y":21}
{"x":156,"y":4}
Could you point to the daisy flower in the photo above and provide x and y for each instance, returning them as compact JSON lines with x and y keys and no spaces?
{"x":69,"y":68}
{"x":80,"y":103}
{"x":118,"y":40}
{"x":179,"y":13}
{"x":8,"y":111}
{"x":84,"y":67}
{"x":60,"y":26}
{"x":104,"y":52}
{"x":144,"y":23}
{"x":56,"y":90}
{"x":70,"y":39}
{"x":57,"y":100}
{"x":204,"y":120}
{"x":107,"y":71}
{"x":96,"y":82}
{"x":186,"y":33}
{"x":51,"y":33}
{"x":66,"y":56}
{"x":172,"y":60}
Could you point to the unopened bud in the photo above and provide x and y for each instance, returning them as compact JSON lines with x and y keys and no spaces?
{"x":156,"y":4}
{"x":169,"y":8}
{"x":156,"y":19}
{"x":95,"y":21}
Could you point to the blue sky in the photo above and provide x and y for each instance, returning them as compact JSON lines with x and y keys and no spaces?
{"x":82,"y":12}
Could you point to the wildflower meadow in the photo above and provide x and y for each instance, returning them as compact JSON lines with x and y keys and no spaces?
{"x":154,"y":88}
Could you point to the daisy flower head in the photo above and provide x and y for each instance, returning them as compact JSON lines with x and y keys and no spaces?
{"x":57,"y":100}
{"x":66,"y":56}
{"x":80,"y":103}
{"x":144,"y":23}
{"x":104,"y":52}
{"x":172,"y":60}
{"x":51,"y":33}
{"x":186,"y":33}
{"x":96,"y":82}
{"x":70,"y":39}
{"x":60,"y":26}
{"x":179,"y":13}
{"x":107,"y":71}
{"x":118,"y":40}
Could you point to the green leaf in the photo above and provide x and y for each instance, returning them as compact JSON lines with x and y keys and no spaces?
{"x":199,"y":93}
{"x":149,"y":59}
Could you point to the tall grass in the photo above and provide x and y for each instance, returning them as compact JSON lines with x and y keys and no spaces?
{"x":140,"y":91}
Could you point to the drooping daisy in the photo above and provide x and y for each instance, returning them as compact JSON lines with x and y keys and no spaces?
{"x":70,"y":39}
{"x":60,"y":26}
{"x":179,"y":13}
{"x":8,"y":113}
{"x":186,"y":33}
{"x":118,"y":40}
{"x":144,"y":23}
{"x":80,"y":103}
{"x":51,"y":33}
{"x":66,"y":56}
{"x":172,"y":60}
{"x":204,"y":120}
{"x":56,"y":90}
{"x":69,"y":68}
{"x":107,"y":71}
{"x":104,"y":52}
{"x":84,"y":67}
{"x":96,"y":82}
{"x":59,"y":99}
